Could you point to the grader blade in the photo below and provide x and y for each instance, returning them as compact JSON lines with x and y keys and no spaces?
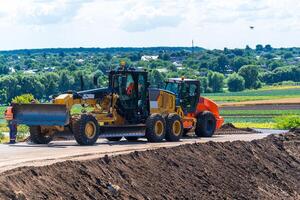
{"x":41,"y":114}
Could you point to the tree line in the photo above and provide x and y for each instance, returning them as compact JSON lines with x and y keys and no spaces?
{"x":45,"y":72}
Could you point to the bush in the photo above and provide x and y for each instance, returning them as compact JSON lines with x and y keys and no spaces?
{"x":216,"y":81}
{"x":24,"y":98}
{"x":287,"y":122}
{"x":235,"y":83}
{"x":250,"y":74}
{"x":1,"y":137}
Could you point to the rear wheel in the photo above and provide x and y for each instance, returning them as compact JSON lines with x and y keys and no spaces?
{"x":155,"y":128}
{"x":114,"y":139}
{"x":174,"y":127}
{"x":86,"y":130}
{"x":206,"y":124}
{"x":38,"y":136}
{"x":132,"y":138}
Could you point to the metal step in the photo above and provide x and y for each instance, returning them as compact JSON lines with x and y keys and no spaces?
{"x":137,"y":130}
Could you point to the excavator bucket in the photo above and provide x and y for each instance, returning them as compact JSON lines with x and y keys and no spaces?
{"x":41,"y":114}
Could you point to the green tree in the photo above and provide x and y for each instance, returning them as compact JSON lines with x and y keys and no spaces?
{"x":3,"y":96}
{"x":238,"y":62}
{"x":65,"y":81}
{"x":259,"y":47}
{"x":156,"y":79}
{"x":268,"y":47}
{"x":235,"y":82}
{"x":250,"y":74}
{"x":203,"y":84}
{"x":216,"y":81}
{"x":24,"y":98}
{"x":50,"y":81}
{"x":222,"y":63}
{"x":288,"y":55}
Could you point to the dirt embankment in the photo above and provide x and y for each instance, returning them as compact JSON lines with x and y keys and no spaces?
{"x":261,"y":169}
{"x":230,"y":129}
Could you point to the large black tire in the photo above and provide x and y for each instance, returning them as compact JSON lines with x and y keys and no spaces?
{"x":174,"y":127}
{"x":206,"y":124}
{"x":132,"y":138}
{"x":86,"y":130}
{"x":38,"y":137}
{"x":155,"y":128}
{"x":114,"y":139}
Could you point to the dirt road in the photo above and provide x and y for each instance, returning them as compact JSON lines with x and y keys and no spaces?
{"x":261,"y":169}
{"x":24,"y":154}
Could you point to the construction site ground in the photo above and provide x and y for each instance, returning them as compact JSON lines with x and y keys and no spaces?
{"x":226,"y":166}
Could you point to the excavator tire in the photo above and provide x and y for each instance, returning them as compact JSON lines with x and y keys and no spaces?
{"x":37,"y":137}
{"x":155,"y":128}
{"x":86,"y":130}
{"x":174,"y":127}
{"x":206,"y":124}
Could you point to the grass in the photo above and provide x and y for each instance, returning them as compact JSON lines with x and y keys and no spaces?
{"x":266,"y":93}
{"x":259,"y":112}
{"x":268,"y":125}
{"x":288,"y":122}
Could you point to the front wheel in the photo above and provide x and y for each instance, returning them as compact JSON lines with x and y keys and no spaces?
{"x":86,"y":130}
{"x":206,"y":124}
{"x":155,"y":128}
{"x":38,"y":136}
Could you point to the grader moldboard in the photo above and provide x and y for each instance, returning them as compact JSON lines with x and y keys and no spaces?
{"x":127,"y":108}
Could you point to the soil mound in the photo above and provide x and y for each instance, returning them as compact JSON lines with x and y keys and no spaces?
{"x":295,"y":130}
{"x":229,"y":129}
{"x":261,"y":169}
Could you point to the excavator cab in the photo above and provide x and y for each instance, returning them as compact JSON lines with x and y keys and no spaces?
{"x":187,"y":93}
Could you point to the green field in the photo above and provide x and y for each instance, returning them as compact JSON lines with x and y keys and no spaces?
{"x":266,"y":93}
{"x":256,"y":118}
{"x":259,"y":112}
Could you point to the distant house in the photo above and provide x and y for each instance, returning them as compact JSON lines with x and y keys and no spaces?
{"x":277,"y":58}
{"x":80,"y":60}
{"x":30,"y":71}
{"x":49,"y":69}
{"x":148,"y":58}
{"x":11,"y":70}
{"x":176,"y":64}
{"x":164,"y":70}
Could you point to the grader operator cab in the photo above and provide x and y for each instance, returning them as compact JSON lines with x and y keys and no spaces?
{"x":128,"y":108}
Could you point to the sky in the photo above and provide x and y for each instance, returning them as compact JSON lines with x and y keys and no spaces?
{"x":212,"y":24}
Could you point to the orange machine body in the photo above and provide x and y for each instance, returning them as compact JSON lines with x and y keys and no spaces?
{"x":204,"y":104}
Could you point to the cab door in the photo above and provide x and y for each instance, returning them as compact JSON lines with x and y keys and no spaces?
{"x":189,"y":97}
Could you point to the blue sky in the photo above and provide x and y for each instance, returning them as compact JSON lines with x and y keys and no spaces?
{"x":115,"y":23}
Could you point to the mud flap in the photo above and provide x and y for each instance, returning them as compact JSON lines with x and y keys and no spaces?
{"x":41,"y":114}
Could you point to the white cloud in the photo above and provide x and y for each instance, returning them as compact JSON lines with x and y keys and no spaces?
{"x":213,"y":23}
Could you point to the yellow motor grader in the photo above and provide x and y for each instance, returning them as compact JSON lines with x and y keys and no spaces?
{"x":128,"y":108}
